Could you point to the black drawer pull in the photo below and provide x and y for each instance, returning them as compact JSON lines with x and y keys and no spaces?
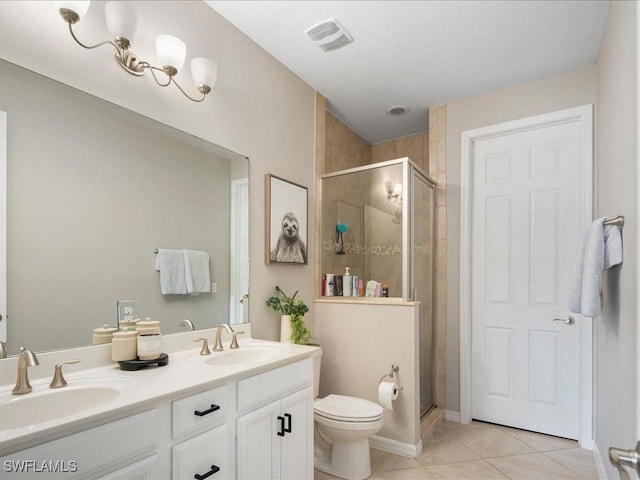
{"x":281,"y":432}
{"x":213,"y":470}
{"x":207,"y":412}
{"x":288,"y":417}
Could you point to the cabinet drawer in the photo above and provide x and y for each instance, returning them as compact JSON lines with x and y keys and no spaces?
{"x":268,"y":386}
{"x":201,"y":410}
{"x":206,"y":452}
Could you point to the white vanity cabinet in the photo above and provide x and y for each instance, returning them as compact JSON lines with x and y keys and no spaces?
{"x":275,"y":424}
{"x":256,"y":427}
{"x":124,"y":449}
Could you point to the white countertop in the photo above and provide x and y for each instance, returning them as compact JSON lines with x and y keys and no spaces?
{"x":187,"y":372}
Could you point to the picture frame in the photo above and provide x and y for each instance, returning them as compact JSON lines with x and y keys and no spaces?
{"x":286,"y":221}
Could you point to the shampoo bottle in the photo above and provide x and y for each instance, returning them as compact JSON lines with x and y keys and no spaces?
{"x":347,"y":283}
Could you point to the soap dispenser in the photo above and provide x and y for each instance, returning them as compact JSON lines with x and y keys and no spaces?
{"x":347,"y":283}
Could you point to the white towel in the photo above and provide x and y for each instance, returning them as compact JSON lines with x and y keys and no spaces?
{"x":170,"y":264}
{"x":196,"y":266}
{"x":600,"y":249}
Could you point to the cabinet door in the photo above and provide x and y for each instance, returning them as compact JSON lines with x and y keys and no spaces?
{"x":258,"y":445}
{"x":296,"y":455}
{"x":205,"y":453}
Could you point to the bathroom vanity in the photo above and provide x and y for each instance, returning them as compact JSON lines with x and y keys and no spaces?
{"x":242,"y":413}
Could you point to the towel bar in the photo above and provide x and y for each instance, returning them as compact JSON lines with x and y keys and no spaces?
{"x":619,"y":221}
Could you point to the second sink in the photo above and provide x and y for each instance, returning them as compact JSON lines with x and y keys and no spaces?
{"x":247,"y":355}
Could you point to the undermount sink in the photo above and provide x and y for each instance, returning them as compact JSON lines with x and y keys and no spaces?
{"x":45,"y":404}
{"x":247,"y":355}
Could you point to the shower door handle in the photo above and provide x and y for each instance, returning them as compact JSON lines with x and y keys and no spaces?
{"x":566,"y":320}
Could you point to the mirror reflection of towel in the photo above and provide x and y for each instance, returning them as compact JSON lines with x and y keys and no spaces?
{"x":171,"y":265}
{"x":196,"y":267}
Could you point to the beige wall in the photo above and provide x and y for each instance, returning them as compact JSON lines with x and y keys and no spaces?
{"x":547,"y":95}
{"x":258,"y":108}
{"x":617,"y":192}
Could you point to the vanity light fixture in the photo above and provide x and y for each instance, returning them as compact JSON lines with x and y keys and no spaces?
{"x":122,"y":23}
{"x":394,"y":192}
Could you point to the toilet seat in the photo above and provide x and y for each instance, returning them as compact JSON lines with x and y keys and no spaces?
{"x":342,"y":408}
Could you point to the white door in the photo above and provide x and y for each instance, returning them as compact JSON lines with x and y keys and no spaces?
{"x":528,"y":214}
{"x":239,"y":258}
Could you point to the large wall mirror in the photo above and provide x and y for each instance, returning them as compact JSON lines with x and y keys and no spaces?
{"x":92,"y":190}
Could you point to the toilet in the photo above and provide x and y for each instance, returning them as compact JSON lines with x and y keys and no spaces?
{"x":342,"y":428}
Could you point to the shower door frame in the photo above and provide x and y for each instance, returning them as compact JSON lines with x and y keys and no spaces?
{"x":408,"y":239}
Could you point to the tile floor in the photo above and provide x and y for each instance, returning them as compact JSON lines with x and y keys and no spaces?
{"x":480,"y":451}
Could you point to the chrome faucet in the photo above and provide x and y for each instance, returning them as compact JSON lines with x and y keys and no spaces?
{"x":188,"y":323}
{"x":26,"y":359}
{"x":217,"y":347}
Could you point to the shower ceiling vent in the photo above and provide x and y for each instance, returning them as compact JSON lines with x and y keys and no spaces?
{"x":329,"y":35}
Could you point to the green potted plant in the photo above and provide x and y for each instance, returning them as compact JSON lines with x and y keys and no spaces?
{"x":292,"y":326}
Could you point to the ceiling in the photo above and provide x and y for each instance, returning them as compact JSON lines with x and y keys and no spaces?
{"x":421,"y":53}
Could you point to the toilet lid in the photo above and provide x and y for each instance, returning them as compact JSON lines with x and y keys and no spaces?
{"x":341,"y":407}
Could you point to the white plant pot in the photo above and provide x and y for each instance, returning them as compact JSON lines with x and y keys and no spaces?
{"x":285,"y":329}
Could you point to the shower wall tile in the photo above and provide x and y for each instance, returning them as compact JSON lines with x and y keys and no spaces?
{"x":441,"y":223}
{"x":383,"y":151}
{"x":343,"y":147}
{"x":437,"y":170}
{"x":441,"y":390}
{"x":441,"y":340}
{"x":413,"y":146}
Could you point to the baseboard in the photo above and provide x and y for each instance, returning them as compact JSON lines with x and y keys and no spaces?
{"x":394,"y":446}
{"x":452,"y":416}
{"x":602,"y":473}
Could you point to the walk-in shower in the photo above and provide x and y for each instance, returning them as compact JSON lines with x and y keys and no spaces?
{"x":378,"y":220}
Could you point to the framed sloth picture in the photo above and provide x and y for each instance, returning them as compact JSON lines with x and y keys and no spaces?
{"x":286,"y":221}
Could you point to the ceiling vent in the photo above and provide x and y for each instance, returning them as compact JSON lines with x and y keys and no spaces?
{"x":329,"y":35}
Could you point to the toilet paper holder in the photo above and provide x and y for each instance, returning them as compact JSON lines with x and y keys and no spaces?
{"x":394,"y":368}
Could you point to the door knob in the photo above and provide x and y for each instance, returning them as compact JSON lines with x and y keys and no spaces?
{"x":567,"y":320}
{"x":625,"y":458}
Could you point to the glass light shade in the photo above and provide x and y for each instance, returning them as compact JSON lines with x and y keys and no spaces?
{"x":122,"y":20}
{"x":80,"y":7}
{"x":388,"y":187}
{"x":204,"y":71}
{"x":171,"y":51}
{"x":397,"y":191}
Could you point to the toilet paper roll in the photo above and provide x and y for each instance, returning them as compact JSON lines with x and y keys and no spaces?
{"x":387,"y":393}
